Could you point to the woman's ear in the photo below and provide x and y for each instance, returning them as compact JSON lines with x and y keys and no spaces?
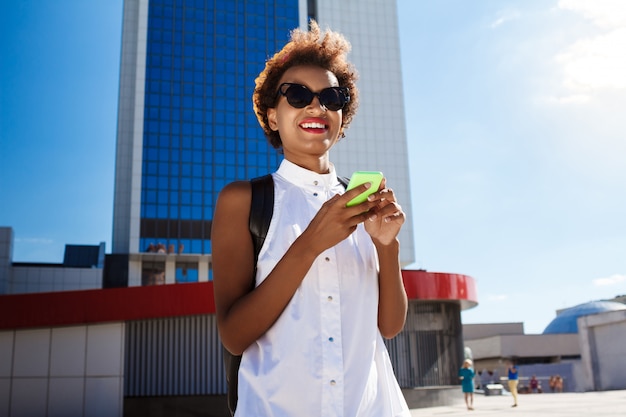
{"x":271,"y":118}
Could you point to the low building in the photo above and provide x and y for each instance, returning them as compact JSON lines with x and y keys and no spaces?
{"x":580,"y":345}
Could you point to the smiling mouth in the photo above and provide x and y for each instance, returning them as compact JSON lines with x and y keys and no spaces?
{"x":312,"y":125}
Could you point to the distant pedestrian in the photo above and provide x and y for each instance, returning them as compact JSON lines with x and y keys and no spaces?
{"x":466,"y":375}
{"x":513,"y":381}
{"x":552,"y":382}
{"x":535,"y":385}
{"x":558,"y":383}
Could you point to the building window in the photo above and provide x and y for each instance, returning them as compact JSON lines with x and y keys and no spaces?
{"x":186,"y":272}
{"x":153,"y":273}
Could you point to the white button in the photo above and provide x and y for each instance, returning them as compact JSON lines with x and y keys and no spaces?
{"x":330,"y":298}
{"x":333,"y":382}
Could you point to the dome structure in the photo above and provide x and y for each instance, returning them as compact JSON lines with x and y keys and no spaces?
{"x":565,"y":322}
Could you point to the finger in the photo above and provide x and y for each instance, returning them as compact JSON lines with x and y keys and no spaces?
{"x":390,"y":210}
{"x":381,"y":188}
{"x":386,"y":194}
{"x":349,"y":195}
{"x":397,"y":217}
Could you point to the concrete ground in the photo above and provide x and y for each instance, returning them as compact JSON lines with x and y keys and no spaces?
{"x":587,"y":404}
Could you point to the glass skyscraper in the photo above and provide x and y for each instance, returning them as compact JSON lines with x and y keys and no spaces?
{"x":186,"y":125}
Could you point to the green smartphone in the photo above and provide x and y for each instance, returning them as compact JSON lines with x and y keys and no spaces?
{"x":361,"y":177}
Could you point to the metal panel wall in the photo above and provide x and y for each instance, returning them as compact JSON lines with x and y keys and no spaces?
{"x":173,"y":356}
{"x":183,"y":355}
{"x":429,"y":351}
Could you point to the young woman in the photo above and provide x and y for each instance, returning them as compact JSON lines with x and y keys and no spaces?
{"x":327,"y":283}
{"x":466,"y":375}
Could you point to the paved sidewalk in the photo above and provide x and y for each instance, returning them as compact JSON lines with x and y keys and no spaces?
{"x":588,"y":404}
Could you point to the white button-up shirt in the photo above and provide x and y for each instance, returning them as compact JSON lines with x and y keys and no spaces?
{"x":324,"y":356}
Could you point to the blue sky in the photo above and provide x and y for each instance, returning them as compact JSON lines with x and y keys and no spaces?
{"x":516,"y":133}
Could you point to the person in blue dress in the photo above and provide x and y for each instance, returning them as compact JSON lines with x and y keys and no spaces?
{"x":466,"y":375}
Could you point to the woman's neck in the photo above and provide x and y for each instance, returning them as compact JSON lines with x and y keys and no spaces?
{"x":321,"y":164}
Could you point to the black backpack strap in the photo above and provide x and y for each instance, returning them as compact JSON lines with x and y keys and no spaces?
{"x":261,"y":211}
{"x":231,"y":368}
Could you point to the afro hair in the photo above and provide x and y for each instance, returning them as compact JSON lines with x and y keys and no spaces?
{"x":327,"y":50}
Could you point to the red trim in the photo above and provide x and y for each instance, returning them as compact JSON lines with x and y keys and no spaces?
{"x":95,"y":306}
{"x":424,"y":285}
{"x":66,"y":308}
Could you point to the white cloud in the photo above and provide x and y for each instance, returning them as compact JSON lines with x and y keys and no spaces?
{"x":587,"y":90}
{"x":603,"y":13}
{"x":505,"y":16}
{"x":612,"y":280}
{"x":597,"y":62}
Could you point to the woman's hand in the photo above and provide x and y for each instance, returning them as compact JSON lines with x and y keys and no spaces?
{"x":335,"y":221}
{"x":386,"y":217}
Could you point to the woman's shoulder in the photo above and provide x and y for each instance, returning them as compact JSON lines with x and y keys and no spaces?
{"x":234,"y":199}
{"x":236,"y":190}
{"x":236,"y":186}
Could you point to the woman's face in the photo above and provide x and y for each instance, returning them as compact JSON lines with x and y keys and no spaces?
{"x":310,"y":131}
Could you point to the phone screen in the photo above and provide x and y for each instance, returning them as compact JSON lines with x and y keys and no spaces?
{"x":361,"y":177}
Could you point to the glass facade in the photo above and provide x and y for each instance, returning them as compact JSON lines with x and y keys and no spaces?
{"x":200,"y":131}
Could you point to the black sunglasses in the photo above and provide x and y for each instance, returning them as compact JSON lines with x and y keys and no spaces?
{"x":299,"y":96}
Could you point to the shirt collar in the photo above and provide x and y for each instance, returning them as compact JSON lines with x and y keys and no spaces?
{"x":302,"y":177}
